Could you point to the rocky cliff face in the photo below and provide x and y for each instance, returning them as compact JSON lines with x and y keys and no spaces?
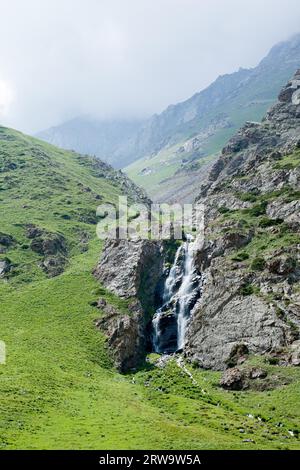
{"x":131,"y":270}
{"x":250,"y":256}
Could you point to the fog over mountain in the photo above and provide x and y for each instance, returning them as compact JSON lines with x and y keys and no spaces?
{"x":202,"y":124}
{"x":115,"y":59}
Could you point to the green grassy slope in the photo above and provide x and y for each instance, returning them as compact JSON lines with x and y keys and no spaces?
{"x":58,"y":388}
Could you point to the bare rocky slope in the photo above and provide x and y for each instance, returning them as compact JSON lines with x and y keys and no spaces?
{"x":249,"y":259}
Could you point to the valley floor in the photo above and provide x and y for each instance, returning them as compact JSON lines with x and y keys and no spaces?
{"x":60,"y":391}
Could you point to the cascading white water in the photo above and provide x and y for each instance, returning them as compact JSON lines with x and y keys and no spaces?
{"x":184,"y":293}
{"x":171,"y":279}
{"x":181,"y":291}
{"x":156,"y":331}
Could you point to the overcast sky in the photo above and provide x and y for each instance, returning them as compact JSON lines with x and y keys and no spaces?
{"x":125,"y":58}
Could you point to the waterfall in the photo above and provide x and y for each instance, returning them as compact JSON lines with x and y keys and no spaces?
{"x":185,"y":293}
{"x":180,"y":294}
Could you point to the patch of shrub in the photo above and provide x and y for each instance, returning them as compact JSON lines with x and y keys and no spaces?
{"x":223,"y":210}
{"x":266,"y":222}
{"x":272,"y":360}
{"x":280,"y":313}
{"x":247,"y":197}
{"x":257,"y":210}
{"x":246,"y":289}
{"x":243,"y":223}
{"x":240,"y":257}
{"x":284,"y":228}
{"x":285,"y":166}
{"x":258,"y":264}
{"x":292,"y":196}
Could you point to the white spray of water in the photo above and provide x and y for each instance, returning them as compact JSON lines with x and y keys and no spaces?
{"x":178,"y":291}
{"x":184,"y":293}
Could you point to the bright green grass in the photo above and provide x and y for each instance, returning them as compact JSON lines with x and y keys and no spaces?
{"x":58,"y":389}
{"x":261,"y":416}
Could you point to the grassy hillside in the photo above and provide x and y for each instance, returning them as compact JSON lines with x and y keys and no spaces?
{"x":58,"y":388}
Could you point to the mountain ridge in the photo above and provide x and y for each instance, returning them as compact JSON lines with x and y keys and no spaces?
{"x":104,"y":138}
{"x":215,"y":114}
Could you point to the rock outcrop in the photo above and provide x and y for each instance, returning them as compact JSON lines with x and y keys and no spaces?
{"x":250,"y":259}
{"x":5,"y":267}
{"x":51,"y":246}
{"x":240,"y":379}
{"x":125,"y":333}
{"x":6,"y":241}
{"x":131,"y":270}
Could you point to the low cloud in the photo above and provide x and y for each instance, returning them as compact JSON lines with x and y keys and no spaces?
{"x":116,"y":58}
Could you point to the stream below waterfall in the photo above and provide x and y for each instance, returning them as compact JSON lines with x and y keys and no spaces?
{"x":182,"y":289}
